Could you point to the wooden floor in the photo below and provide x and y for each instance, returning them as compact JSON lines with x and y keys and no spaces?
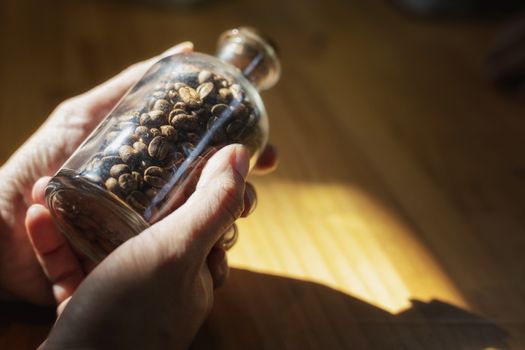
{"x":396,"y":219}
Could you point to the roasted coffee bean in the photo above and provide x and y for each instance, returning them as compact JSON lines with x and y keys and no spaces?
{"x":225,"y":95}
{"x":205,"y":76}
{"x":112,"y":185}
{"x":130,"y":138}
{"x":157,"y":118}
{"x":176,"y":111}
{"x":204,"y":90}
{"x":180,"y":105}
{"x":145,"y":119}
{"x":162,"y":105}
{"x":221,"y":82}
{"x":219,"y":109}
{"x":141,"y":148}
{"x":172,"y":96}
{"x":156,"y":171}
{"x":169,"y":132}
{"x":138,"y":200}
{"x":158,"y":148}
{"x":154,"y":132}
{"x":127,"y":183}
{"x":190,"y":96}
{"x":119,"y":169}
{"x":237,"y":92}
{"x":185,"y":122}
{"x":127,"y":154}
{"x":154,"y":181}
{"x":142,"y":132}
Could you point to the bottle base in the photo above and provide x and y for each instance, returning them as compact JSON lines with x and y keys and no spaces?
{"x":93,"y":220}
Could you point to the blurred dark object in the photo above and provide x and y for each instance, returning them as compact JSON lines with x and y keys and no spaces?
{"x":171,"y":2}
{"x":19,"y":312}
{"x":460,"y":8}
{"x":506,"y":62}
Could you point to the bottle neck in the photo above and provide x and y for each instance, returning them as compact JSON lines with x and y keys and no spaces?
{"x":254,"y":56}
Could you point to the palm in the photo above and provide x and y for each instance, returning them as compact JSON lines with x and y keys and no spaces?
{"x":20,"y":274}
{"x":42,"y":155}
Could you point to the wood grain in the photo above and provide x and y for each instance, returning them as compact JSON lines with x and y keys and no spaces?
{"x":396,"y":219}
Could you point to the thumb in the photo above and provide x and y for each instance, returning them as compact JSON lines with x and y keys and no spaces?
{"x":214,"y":206}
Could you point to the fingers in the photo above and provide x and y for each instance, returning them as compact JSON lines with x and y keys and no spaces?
{"x":218,"y":265}
{"x":38,"y":192}
{"x":267,"y":161}
{"x":101,"y":99}
{"x":250,"y":200}
{"x":53,"y":252}
{"x":216,"y":203}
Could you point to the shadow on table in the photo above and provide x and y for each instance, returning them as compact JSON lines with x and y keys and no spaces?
{"x":24,"y":326}
{"x":260,"y":311}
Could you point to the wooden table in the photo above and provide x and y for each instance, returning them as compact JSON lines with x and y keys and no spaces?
{"x":396,"y":219}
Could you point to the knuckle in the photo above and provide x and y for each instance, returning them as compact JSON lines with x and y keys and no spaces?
{"x":130,"y":68}
{"x":133,"y":67}
{"x":67,"y":105}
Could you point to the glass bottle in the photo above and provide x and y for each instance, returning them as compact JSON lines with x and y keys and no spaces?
{"x":144,"y":159}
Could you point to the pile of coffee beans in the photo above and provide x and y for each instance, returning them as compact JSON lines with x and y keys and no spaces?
{"x":181,"y":121}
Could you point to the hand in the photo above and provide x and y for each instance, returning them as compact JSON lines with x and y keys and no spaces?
{"x":21,"y":276}
{"x":155,"y":290}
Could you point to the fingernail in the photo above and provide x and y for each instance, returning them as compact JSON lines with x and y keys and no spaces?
{"x":182,"y":47}
{"x":38,"y":190}
{"x":241,"y":161}
{"x":59,"y":291}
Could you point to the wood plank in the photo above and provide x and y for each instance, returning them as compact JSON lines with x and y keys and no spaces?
{"x":400,"y":178}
